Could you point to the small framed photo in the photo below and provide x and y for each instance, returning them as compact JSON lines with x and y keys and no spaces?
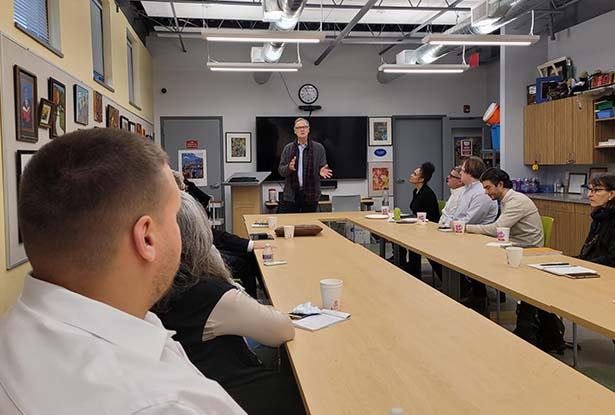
{"x":132,"y":127}
{"x":380,"y":132}
{"x":57,"y":95}
{"x":124,"y":123}
{"x":193,"y":165}
{"x":26,"y":98}
{"x":98,"y":107}
{"x":576,"y":181}
{"x":380,"y":178}
{"x":113,"y":117}
{"x":139,"y":129}
{"x":81,"y":97}
{"x":238,"y":147}
{"x":597,"y":170}
{"x":46,"y":111}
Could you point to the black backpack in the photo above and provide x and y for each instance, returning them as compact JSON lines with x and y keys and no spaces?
{"x":544,"y":330}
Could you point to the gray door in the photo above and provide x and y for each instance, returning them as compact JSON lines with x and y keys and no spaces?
{"x":208,"y":132}
{"x":416,"y":141}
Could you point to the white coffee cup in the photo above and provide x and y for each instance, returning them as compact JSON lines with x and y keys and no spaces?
{"x":514,"y":255}
{"x":503,"y":233}
{"x":458,"y":226}
{"x":272,"y":221}
{"x":289,"y":231}
{"x":385,"y":210}
{"x":421,"y":217}
{"x":331,"y":293}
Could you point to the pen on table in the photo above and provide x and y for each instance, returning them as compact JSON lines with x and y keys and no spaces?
{"x":554,"y":264}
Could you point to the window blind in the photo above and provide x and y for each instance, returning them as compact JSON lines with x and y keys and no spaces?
{"x":32,"y":16}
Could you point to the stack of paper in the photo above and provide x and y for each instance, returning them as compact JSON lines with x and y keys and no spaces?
{"x":566,"y":270}
{"x":326,"y":318}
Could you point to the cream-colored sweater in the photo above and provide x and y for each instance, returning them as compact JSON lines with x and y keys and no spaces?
{"x":519,"y":213}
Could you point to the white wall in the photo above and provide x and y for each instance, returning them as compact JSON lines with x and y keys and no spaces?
{"x":346,"y":81}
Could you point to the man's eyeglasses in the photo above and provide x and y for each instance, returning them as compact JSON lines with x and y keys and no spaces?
{"x":595,"y":189}
{"x":301,"y":127}
{"x":451,"y":176}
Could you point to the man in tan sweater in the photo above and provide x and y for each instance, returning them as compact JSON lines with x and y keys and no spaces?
{"x":517,"y":211}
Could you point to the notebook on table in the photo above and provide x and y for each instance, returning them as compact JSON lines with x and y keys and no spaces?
{"x":564,"y":269}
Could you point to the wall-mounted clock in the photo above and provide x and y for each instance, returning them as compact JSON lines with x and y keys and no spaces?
{"x":308,"y":94}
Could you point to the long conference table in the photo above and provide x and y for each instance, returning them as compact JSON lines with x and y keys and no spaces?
{"x":408,"y":345}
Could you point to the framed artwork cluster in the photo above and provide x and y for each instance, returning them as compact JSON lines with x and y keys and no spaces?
{"x":380,"y":172}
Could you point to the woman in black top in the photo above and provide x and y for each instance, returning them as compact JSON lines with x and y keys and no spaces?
{"x":212,"y":319}
{"x":423,"y":200}
{"x":599,"y":246}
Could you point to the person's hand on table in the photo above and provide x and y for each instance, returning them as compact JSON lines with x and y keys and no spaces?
{"x":291,"y":165}
{"x":326,"y":172}
{"x":261,"y":244}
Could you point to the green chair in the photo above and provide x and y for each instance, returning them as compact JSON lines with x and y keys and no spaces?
{"x":441,"y":204}
{"x":547,"y":227}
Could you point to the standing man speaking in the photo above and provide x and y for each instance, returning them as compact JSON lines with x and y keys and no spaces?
{"x":303,"y":163}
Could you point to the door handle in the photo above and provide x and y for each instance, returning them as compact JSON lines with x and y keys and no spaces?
{"x":400,"y":181}
{"x":214,"y":186}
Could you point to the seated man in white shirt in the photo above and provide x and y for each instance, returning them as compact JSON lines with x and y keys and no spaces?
{"x":454,"y":183}
{"x":97,"y":214}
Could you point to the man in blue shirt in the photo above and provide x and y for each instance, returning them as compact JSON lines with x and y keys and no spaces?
{"x":474,"y":206}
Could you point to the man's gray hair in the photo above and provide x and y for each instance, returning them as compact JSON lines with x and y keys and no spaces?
{"x":199,"y":258}
{"x":457,"y":169}
{"x":301,"y":119}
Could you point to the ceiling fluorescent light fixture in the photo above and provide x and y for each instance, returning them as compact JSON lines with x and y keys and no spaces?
{"x":253,"y":67}
{"x":257,"y":36}
{"x":480,"y":40}
{"x":419,"y":69}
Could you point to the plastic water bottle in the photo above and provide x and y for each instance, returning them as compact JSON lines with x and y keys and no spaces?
{"x":267,"y":253}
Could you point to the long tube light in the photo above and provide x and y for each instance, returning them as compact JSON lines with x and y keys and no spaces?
{"x":422,"y":69}
{"x":258,"y":36}
{"x":253,"y":67}
{"x":480,"y":40}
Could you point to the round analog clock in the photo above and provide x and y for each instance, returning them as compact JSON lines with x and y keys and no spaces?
{"x":308,"y":94}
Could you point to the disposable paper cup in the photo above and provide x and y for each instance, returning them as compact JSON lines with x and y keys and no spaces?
{"x":503,"y":234}
{"x":514,"y":254}
{"x":331,"y":293}
{"x":289,"y":231}
{"x":272,"y":221}
{"x":458,"y":227}
{"x":385,"y":210}
{"x":422,"y":217}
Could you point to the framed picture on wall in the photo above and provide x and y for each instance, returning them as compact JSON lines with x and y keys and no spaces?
{"x":46,"y":111}
{"x":57,"y":95}
{"x":113,"y":117}
{"x":81,"y":97}
{"x":124,"y":123}
{"x":98,"y":107}
{"x":26,"y":98}
{"x":380,"y":132}
{"x":132,"y":127}
{"x":139,"y":129}
{"x":238,"y":147}
{"x":576,"y":181}
{"x":380,"y":176}
{"x":193,"y":165}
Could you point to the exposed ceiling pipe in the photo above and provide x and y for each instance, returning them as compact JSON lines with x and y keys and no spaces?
{"x":272,"y":51}
{"x":502,"y":12}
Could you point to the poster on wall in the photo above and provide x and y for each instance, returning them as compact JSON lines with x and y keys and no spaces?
{"x":466,"y":148}
{"x":379,"y":177}
{"x":25,"y":105}
{"x":238,"y":147}
{"x":81,"y":104}
{"x":98,"y":107}
{"x":380,"y":132}
{"x":193,"y":165}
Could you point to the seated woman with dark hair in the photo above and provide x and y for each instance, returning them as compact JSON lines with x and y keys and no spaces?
{"x":599,"y":247}
{"x":423,"y":200}
{"x":212,"y":318}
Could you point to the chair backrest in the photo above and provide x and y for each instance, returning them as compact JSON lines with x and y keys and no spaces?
{"x":441,"y":204}
{"x":346,"y":203}
{"x":547,"y":228}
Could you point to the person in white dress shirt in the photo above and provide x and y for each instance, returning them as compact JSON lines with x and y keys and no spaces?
{"x":453,"y":180}
{"x":97,"y":214}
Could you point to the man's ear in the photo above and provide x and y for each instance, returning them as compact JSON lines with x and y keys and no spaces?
{"x":143,"y":238}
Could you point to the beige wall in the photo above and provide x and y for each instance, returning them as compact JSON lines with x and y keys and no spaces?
{"x":76,"y":46}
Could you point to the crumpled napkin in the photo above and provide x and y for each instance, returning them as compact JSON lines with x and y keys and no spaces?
{"x":306,"y":309}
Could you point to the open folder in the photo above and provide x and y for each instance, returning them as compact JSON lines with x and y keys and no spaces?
{"x":326,"y":318}
{"x":566,"y":270}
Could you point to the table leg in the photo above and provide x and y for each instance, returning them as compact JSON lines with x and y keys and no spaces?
{"x":450,"y":283}
{"x":575,"y":346}
{"x":396,"y":256}
{"x":383,"y":247}
{"x":497,"y":307}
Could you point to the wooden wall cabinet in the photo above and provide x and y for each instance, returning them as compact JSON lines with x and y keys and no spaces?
{"x":571,"y":226}
{"x":563,"y":132}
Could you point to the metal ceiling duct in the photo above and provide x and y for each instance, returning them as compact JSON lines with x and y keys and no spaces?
{"x":486,"y":18}
{"x":287,"y":14}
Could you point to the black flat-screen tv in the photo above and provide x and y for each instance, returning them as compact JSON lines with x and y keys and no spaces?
{"x":344,"y":139}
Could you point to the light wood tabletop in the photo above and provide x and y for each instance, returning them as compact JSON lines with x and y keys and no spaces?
{"x":406,"y":344}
